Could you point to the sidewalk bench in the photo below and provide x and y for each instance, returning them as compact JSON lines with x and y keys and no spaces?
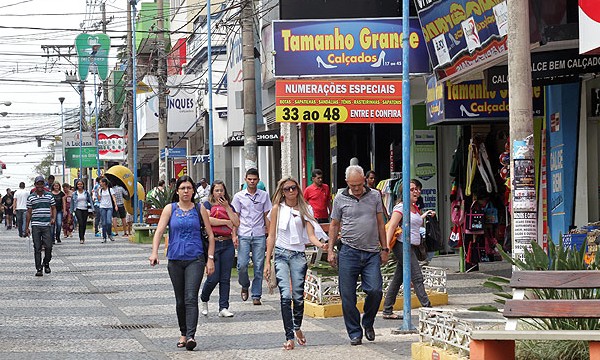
{"x":143,"y":232}
{"x":500,"y":344}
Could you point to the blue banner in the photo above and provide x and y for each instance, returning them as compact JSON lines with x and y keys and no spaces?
{"x":471,"y":101}
{"x":463,"y":34}
{"x":359,"y":47}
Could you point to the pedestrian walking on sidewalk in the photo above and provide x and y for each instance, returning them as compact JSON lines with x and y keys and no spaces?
{"x":108,"y":204}
{"x":358,"y":211}
{"x":95,"y":190}
{"x":20,"y":205}
{"x":292,"y":226}
{"x":252,"y":205}
{"x":224,"y":222}
{"x":59,"y":199}
{"x":186,"y":255}
{"x":416,"y":276}
{"x":80,"y":203}
{"x":41,"y":215}
{"x":68,"y":222}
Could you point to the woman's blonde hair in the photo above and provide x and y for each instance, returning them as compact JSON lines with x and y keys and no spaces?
{"x":278,"y":198}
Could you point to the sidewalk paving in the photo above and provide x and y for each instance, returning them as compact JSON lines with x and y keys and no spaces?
{"x":104,"y":301}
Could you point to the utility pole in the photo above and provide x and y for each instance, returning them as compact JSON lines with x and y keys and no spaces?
{"x":520,"y":123}
{"x":162,"y":92}
{"x":250,"y":146}
{"x":129,"y":96}
{"x":105,"y":83}
{"x":81,"y":121}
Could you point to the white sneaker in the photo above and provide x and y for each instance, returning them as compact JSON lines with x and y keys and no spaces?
{"x":204,"y":308}
{"x":225,"y":313}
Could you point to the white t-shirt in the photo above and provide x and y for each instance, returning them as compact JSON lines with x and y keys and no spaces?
{"x":105,"y":201}
{"x":21,"y":199}
{"x":415,"y":223}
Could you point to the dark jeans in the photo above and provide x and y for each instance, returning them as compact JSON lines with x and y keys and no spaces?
{"x":81,"y":216}
{"x":224,"y":256}
{"x":186,"y":276}
{"x":41,"y":235}
{"x":352,"y":263}
{"x":416,"y":277}
{"x":21,"y":222}
{"x":290,"y":269}
{"x":96,"y":219}
{"x":57,"y":227}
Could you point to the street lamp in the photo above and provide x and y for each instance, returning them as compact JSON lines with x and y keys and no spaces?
{"x":62,"y":125}
{"x":3,"y":114}
{"x":7,"y":103}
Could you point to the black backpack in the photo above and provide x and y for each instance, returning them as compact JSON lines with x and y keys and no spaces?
{"x":433,"y":234}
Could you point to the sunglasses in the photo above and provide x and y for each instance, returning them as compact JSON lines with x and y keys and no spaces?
{"x":290,"y":188}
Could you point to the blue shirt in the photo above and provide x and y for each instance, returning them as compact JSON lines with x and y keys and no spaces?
{"x":185,"y":241}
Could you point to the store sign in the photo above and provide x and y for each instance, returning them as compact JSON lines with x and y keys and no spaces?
{"x":111,"y":144}
{"x":92,"y":55}
{"x":463,"y":35}
{"x":346,"y":47}
{"x":263,"y":138}
{"x":338,"y":101}
{"x":589,"y":26}
{"x":71,"y":139}
{"x":471,"y":101}
{"x":88,"y":157}
{"x":550,"y":67}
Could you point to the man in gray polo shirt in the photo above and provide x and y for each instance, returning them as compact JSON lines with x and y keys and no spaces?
{"x":358,"y":211}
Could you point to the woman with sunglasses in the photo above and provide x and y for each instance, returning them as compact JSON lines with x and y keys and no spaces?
{"x":416,"y":276}
{"x":186,"y":255}
{"x":224,"y":222}
{"x":292,"y":226}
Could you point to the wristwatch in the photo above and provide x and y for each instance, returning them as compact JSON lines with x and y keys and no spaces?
{"x":387,"y":250}
{"x":212,"y":257}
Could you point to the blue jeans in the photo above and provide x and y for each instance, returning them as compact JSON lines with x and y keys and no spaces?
{"x":186,"y":277}
{"x":57,"y":228}
{"x":106,"y":221}
{"x":291,"y":265}
{"x":256,"y":245}
{"x":352,"y":263}
{"x":224,"y":256}
{"x":41,"y":236}
{"x":21,"y":222}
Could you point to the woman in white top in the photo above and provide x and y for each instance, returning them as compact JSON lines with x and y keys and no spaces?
{"x":80,"y":202}
{"x":292,"y":227}
{"x":416,"y":276}
{"x":108,"y":203}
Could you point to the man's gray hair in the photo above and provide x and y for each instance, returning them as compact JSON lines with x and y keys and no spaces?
{"x":356,"y":169}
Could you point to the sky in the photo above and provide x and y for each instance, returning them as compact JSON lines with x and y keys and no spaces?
{"x":30,"y":78}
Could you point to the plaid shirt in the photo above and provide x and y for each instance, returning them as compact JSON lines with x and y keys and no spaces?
{"x":118,"y":192}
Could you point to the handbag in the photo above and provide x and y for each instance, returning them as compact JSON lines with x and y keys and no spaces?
{"x":420,"y":250}
{"x":203,"y":235}
{"x":395,"y":237}
{"x":491,"y":213}
{"x":455,"y":238}
{"x":475,"y":219}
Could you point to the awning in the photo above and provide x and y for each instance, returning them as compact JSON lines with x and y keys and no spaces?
{"x":263,"y":138}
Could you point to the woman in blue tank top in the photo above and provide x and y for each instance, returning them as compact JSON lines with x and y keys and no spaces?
{"x":185,"y":254}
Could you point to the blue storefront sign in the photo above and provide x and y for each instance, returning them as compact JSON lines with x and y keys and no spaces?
{"x":359,"y":47}
{"x":462,"y":35}
{"x":471,"y":101}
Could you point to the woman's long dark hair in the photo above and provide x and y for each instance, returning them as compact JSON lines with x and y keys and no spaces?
{"x":211,"y":198}
{"x":183,"y":179}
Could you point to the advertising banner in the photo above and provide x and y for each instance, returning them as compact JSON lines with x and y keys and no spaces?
{"x":589,"y":26}
{"x":425,"y":166}
{"x":471,"y":101}
{"x":463,"y":35}
{"x":88,"y":157}
{"x":180,"y":168}
{"x":359,"y":47}
{"x":338,"y":101}
{"x":92,"y":54}
{"x":111,"y":144}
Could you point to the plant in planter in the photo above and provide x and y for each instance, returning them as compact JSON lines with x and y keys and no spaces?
{"x":159,"y":199}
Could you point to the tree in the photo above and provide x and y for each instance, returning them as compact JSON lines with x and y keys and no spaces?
{"x":43,"y":168}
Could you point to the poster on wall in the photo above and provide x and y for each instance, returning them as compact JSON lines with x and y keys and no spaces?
{"x":524,"y":200}
{"x":425,"y":166}
{"x":111,"y":144}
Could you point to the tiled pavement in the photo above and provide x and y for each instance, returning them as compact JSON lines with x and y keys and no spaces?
{"x":104,"y":301}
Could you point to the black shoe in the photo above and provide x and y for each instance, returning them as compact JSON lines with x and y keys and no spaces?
{"x":47,"y":269}
{"x":356,"y":341}
{"x":58,"y":241}
{"x":190,"y":344}
{"x":370,"y":334}
{"x":39,"y":273}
